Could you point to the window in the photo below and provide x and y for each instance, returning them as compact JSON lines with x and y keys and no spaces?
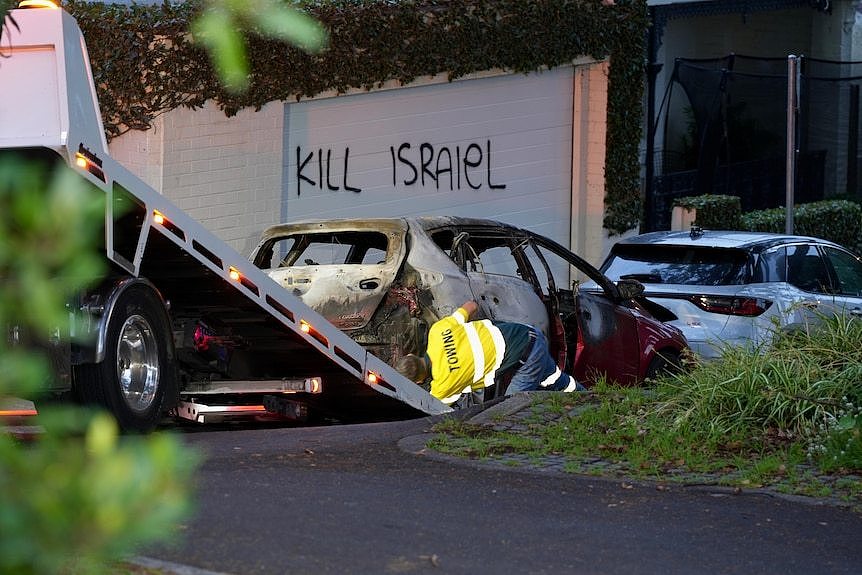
{"x":444,"y":239}
{"x":848,"y":269}
{"x":485,"y":251}
{"x":328,"y":248}
{"x":678,"y":265}
{"x":557,"y":272}
{"x":498,"y":260}
{"x":772,"y":266}
{"x":807,"y":270}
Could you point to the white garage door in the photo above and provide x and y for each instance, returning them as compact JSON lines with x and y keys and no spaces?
{"x":497,"y":147}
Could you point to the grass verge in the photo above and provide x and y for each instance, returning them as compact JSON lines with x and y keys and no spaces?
{"x":786,"y":418}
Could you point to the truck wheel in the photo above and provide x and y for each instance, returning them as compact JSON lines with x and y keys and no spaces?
{"x":133,"y":379}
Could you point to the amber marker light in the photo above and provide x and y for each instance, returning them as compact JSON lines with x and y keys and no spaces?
{"x":375,"y":379}
{"x":160,"y":219}
{"x":314,"y":385}
{"x":24,"y":412}
{"x":236,"y":275}
{"x":306,"y":327}
{"x":87,"y":160}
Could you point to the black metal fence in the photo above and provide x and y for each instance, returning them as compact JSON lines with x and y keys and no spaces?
{"x":723,"y":129}
{"x":759,"y":184}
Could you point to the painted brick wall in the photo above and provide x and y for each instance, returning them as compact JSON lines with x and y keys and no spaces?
{"x":142,"y":153}
{"x":224,"y":172}
{"x":590,"y":103}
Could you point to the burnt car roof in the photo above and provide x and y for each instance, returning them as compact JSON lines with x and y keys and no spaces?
{"x":425,"y":222}
{"x":721,"y":239}
{"x":380,"y":224}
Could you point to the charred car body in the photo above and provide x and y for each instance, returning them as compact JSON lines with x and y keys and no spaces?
{"x":385,"y":281}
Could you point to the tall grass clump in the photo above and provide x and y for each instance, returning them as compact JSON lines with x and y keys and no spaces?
{"x":806,"y":386}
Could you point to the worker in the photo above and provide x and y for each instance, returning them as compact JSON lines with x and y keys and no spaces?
{"x":464,"y":356}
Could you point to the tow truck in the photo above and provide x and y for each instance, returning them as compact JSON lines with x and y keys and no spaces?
{"x":181,"y":324}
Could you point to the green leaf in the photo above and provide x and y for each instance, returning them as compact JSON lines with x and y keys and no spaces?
{"x":291,"y":25}
{"x":215,"y":29}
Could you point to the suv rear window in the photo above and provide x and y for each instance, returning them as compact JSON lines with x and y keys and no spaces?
{"x":677,"y":265}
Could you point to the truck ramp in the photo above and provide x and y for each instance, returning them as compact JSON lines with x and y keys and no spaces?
{"x":239,"y":344}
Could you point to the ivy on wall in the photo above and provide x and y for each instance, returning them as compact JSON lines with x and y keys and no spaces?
{"x":145,"y":63}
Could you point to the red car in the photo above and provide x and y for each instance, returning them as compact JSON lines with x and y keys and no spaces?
{"x":385,"y":281}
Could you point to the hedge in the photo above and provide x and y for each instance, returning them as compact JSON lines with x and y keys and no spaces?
{"x":839,"y":221}
{"x":716,"y":212}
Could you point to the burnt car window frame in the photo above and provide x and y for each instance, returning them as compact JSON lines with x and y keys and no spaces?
{"x":468,"y":258}
{"x":583,"y":266}
{"x":356,"y":253}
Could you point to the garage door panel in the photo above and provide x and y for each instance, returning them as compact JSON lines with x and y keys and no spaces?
{"x":432,"y":103}
{"x":495,"y":147}
{"x":451,"y":128}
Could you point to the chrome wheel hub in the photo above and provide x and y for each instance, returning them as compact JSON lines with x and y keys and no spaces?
{"x":137,"y":363}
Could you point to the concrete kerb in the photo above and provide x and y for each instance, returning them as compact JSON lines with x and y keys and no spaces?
{"x":508,"y":407}
{"x":168,"y":568}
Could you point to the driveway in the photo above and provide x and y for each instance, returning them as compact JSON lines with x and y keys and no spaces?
{"x":370,"y":499}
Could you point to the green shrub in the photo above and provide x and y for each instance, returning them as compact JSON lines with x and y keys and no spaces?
{"x":714,"y":212}
{"x":771,"y":220}
{"x":804,"y":386}
{"x":839,"y":221}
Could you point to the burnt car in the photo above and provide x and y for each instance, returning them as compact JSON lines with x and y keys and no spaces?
{"x":385,"y":281}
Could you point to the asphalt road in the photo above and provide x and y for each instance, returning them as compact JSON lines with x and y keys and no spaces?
{"x":369,"y":499}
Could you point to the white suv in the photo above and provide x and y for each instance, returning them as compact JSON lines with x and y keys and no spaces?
{"x":734,"y":287}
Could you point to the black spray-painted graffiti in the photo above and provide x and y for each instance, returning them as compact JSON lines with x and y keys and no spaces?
{"x":301,"y":165}
{"x":438,"y":165}
{"x":421,"y":166}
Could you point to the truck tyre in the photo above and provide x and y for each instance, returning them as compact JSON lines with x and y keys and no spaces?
{"x":135,"y":376}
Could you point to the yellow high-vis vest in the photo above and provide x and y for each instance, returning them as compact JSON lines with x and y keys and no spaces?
{"x":464,"y":355}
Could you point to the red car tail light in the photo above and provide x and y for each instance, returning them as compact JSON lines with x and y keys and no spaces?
{"x":747,"y":306}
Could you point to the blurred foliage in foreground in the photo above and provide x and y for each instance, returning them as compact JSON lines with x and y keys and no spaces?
{"x":78,"y":496}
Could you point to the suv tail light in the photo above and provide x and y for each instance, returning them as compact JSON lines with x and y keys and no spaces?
{"x":747,"y":306}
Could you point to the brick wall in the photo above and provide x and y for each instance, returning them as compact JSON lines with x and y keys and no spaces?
{"x":589,"y":238}
{"x":224,"y":172}
{"x":142,"y":153}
